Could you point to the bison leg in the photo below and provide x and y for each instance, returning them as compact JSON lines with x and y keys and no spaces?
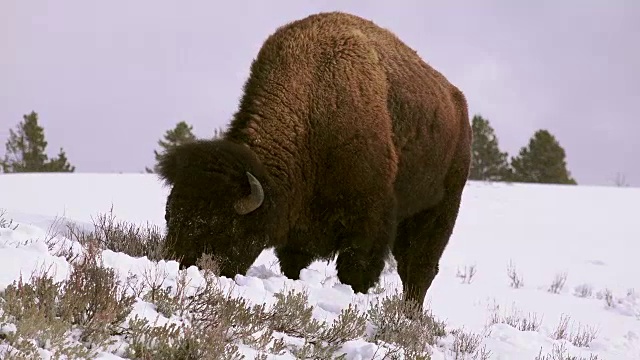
{"x":366,"y":245}
{"x":420,"y":242}
{"x":292,"y":260}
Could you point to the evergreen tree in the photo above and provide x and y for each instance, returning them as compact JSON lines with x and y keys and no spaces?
{"x":181,"y":134}
{"x":59,"y":164}
{"x":26,"y":150}
{"x":542,"y":161}
{"x":488,"y":162}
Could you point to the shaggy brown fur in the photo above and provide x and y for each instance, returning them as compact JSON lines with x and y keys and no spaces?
{"x":359,"y":148}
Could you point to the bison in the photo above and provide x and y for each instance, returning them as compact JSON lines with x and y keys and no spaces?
{"x":344,"y":143}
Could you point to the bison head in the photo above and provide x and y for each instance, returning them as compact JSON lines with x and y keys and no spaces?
{"x":219,"y":203}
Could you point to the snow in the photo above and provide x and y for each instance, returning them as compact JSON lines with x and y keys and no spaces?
{"x":590,"y":233}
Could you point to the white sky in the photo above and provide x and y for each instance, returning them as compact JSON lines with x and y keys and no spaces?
{"x":109,"y":78}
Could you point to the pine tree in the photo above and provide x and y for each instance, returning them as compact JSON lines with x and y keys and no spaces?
{"x":60,"y":163}
{"x":488,"y":162}
{"x":26,"y":150}
{"x":542,"y":161}
{"x":181,"y":134}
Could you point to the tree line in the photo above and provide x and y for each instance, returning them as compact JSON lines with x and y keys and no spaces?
{"x":543,"y":160}
{"x":26,"y":147}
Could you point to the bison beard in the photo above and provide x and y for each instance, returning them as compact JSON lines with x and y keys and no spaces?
{"x":344,"y":143}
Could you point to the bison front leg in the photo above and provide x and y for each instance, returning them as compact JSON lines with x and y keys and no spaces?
{"x":366,"y":245}
{"x":292,"y":256}
{"x":292,"y":259}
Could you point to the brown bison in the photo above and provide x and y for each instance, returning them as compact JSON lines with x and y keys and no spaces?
{"x":344,"y":143}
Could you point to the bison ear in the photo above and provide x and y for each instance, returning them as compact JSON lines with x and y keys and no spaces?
{"x":168,"y":165}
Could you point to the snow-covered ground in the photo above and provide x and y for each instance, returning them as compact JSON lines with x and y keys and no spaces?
{"x":592,"y":234}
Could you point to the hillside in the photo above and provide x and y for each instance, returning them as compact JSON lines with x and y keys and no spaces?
{"x":591,"y":234}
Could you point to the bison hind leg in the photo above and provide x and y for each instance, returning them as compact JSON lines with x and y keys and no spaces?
{"x":366,"y":245}
{"x":421,"y":241}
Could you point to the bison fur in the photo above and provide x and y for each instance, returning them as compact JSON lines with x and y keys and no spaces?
{"x":345,"y":143}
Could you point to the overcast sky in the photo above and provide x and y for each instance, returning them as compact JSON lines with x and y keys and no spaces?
{"x":109,"y":78}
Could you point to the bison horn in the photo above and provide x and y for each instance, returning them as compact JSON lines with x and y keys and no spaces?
{"x":253,"y":200}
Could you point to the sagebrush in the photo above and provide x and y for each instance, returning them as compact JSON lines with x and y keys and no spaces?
{"x":90,"y":310}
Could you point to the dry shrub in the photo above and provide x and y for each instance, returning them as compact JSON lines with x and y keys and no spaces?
{"x":76,"y":317}
{"x":466,"y":275}
{"x":31,"y":322}
{"x":118,"y":236}
{"x":176,"y":341}
{"x":93,"y":298}
{"x":205,"y":316}
{"x":515,"y":281}
{"x":404,"y":324}
{"x":4,"y":223}
{"x":607,"y":295}
{"x":466,"y":345}
{"x":559,"y":352}
{"x":583,"y":290}
{"x":515,"y":319}
{"x":87,"y":312}
{"x":558,"y":283}
{"x":133,"y":240}
{"x":580,"y":337}
{"x":292,"y":315}
{"x":216,"y":321}
{"x":150,"y":287}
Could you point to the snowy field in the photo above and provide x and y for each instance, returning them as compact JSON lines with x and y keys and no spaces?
{"x":533,"y":232}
